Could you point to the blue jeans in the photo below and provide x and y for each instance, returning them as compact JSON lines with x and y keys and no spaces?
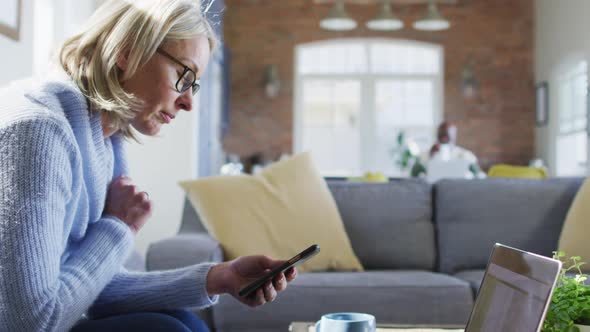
{"x":169,"y":321}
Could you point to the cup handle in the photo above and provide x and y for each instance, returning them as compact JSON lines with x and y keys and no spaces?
{"x":317,"y":326}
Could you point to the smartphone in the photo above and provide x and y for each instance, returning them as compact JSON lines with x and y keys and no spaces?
{"x":296,"y":260}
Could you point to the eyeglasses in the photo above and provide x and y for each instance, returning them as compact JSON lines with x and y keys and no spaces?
{"x":188,"y":78}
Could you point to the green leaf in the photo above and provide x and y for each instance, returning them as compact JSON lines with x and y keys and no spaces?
{"x":400,"y":138}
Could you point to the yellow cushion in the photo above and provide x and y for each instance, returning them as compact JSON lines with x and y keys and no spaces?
{"x":278,"y":212}
{"x":509,"y":171}
{"x":574,"y":234}
{"x":370,"y":177}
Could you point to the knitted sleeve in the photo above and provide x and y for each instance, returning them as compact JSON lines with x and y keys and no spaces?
{"x":40,"y":178}
{"x":153,"y":291}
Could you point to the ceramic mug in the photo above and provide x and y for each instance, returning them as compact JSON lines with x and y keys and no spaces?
{"x":346,"y":322}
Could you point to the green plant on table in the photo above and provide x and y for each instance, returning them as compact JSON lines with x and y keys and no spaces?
{"x":570,"y":303}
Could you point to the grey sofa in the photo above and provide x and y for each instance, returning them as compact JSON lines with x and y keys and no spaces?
{"x":424,"y":249}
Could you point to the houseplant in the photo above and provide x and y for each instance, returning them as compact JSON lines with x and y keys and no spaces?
{"x":570,"y":305}
{"x":407,"y":156}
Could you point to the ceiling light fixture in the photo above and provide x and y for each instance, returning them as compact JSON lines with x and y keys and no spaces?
{"x":338,"y":19}
{"x":385,"y":20}
{"x":433,"y":21}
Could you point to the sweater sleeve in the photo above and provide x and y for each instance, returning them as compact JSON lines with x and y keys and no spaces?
{"x":155,"y":291}
{"x":40,"y":175}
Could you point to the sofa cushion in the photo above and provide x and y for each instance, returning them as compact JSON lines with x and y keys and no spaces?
{"x":472,"y":215}
{"x":573,"y":240}
{"x":389,"y":224}
{"x":404,"y":297}
{"x":513,"y":171}
{"x":278,"y":212}
{"x":473,"y":277}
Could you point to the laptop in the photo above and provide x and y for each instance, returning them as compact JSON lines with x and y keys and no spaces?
{"x":515,"y":292}
{"x":437,"y":169}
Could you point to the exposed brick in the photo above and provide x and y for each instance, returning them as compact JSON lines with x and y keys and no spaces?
{"x":498,"y":125}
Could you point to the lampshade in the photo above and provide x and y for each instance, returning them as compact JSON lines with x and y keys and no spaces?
{"x":433,"y":21}
{"x":385,"y":20}
{"x":338,"y":19}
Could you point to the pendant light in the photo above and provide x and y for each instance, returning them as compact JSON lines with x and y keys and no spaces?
{"x":385,"y":20}
{"x":433,"y":21}
{"x":338,"y":19}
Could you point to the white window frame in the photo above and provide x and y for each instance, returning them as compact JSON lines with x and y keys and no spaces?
{"x":570,"y":74}
{"x":367,"y":90}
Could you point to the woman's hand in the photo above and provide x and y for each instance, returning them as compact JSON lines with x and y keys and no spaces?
{"x":127,"y":203}
{"x":230,"y":277}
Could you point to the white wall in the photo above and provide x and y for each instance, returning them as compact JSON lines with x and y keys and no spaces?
{"x":562,"y":37}
{"x":156,"y":166}
{"x":16,"y":57}
{"x":55,"y":21}
{"x":45,"y":25}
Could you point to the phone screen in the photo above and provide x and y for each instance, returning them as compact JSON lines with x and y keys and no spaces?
{"x":294,"y":261}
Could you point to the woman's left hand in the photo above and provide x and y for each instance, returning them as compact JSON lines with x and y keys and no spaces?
{"x":230,"y":277}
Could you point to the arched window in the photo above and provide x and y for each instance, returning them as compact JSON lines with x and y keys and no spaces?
{"x":353,"y":97}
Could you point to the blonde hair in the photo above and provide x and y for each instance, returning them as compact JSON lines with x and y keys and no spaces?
{"x":138,"y":27}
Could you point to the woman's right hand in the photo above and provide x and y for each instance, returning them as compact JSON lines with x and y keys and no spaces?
{"x":230,"y":277}
{"x":127,"y":203}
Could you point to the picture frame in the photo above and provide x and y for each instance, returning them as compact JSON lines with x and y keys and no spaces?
{"x":588,"y":111}
{"x":542,"y":104}
{"x":10,"y":19}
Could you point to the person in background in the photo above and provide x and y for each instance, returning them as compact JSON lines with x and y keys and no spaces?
{"x":446,"y":148}
{"x":253,"y":163}
{"x":69,"y":211}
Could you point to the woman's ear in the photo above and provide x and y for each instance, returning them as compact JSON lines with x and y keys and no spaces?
{"x":123,"y":60}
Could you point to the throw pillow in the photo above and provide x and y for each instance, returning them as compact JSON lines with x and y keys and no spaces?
{"x":511,"y":171}
{"x":574,"y":234}
{"x":278,"y":212}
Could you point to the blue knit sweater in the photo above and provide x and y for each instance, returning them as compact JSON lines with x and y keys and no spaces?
{"x":60,"y":256}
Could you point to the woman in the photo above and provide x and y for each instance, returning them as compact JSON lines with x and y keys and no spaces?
{"x":68,"y":210}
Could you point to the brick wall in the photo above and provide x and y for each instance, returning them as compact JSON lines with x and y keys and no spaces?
{"x":498,"y":125}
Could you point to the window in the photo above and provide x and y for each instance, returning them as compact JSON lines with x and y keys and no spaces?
{"x":572,"y":143}
{"x":353,"y":97}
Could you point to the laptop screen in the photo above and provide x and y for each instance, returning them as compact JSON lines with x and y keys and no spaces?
{"x":514,"y":293}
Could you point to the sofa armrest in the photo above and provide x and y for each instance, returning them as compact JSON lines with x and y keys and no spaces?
{"x":183,"y":250}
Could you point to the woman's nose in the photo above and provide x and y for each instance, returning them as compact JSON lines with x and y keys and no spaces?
{"x":185,"y":101}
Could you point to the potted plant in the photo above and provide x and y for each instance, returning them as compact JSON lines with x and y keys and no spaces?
{"x":407,"y":156}
{"x":570,"y":305}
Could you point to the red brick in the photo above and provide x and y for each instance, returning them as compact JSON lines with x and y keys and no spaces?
{"x":498,"y":125}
